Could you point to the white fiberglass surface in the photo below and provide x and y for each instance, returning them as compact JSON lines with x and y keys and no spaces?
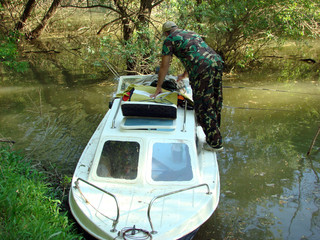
{"x":171,"y":162}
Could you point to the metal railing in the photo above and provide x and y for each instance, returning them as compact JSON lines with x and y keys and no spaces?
{"x":115,"y":115}
{"x":185,"y":116}
{"x":171,"y":193}
{"x":114,"y":221}
{"x":111,"y":68}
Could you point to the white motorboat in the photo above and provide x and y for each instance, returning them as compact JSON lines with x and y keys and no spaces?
{"x":144,"y":174}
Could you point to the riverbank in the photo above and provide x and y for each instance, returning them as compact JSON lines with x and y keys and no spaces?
{"x":30,"y":208}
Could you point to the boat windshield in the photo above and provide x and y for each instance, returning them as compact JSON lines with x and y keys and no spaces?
{"x":119,"y":159}
{"x":171,"y":162}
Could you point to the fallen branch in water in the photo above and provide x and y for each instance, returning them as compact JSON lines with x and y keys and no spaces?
{"x":7,"y":141}
{"x":44,"y":51}
{"x":314,"y":140}
{"x":307,"y":60}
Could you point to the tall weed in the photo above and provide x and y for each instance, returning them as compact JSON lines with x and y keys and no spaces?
{"x":26,"y":209}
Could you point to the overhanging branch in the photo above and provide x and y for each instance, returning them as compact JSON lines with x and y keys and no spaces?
{"x":93,"y":6}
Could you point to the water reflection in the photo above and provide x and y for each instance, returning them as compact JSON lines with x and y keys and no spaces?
{"x":270,"y":189}
{"x":53,"y":123}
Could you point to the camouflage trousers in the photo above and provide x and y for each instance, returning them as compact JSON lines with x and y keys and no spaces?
{"x":207,"y":96}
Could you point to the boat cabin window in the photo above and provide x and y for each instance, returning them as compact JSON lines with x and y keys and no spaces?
{"x":171,"y":162}
{"x":119,"y":159}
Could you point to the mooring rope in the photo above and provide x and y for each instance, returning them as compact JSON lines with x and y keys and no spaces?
{"x":134,"y":234}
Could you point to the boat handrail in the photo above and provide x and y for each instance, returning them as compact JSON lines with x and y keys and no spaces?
{"x":185,"y":116}
{"x":114,"y":221}
{"x":115,"y":115}
{"x":171,"y":193}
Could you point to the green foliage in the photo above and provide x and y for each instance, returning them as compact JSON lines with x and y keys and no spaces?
{"x":9,"y":53}
{"x":238,"y":30}
{"x":26,"y":209}
{"x":141,"y":51}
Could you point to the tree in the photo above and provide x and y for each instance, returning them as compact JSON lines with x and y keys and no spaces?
{"x":29,"y":7}
{"x":239,"y":29}
{"x":35,"y":33}
{"x":26,"y":13}
{"x":134,"y":16}
{"x":242,"y":28}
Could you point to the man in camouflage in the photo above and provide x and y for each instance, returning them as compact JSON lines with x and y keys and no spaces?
{"x":204,"y":68}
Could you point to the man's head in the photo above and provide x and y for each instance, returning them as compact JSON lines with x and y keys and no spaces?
{"x":168,"y":26}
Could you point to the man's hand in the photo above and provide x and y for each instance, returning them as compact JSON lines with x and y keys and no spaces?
{"x":157,"y":92}
{"x":182,"y":76}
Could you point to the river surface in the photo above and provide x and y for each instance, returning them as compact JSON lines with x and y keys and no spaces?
{"x":270,"y":189}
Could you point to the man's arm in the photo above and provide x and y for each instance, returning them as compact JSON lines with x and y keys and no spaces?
{"x":164,"y":67}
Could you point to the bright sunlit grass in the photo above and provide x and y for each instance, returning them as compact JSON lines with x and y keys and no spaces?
{"x":28,"y":209}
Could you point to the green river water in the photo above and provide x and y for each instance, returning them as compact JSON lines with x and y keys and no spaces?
{"x":270,"y":189}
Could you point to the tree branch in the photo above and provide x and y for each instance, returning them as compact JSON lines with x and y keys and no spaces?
{"x":156,"y":3}
{"x":93,"y":6}
{"x":7,"y":141}
{"x":314,"y":140}
{"x":105,"y":25}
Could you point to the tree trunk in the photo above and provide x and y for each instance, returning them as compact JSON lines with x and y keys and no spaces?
{"x":198,"y":16}
{"x":132,"y":20}
{"x":52,"y":10}
{"x":143,"y":22}
{"x":144,"y":12}
{"x":127,"y":30}
{"x":26,"y":13}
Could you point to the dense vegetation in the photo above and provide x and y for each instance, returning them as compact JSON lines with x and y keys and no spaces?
{"x":130,"y":30}
{"x":29,"y":208}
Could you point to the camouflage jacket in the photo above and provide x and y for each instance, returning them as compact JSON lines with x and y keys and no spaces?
{"x":193,"y":52}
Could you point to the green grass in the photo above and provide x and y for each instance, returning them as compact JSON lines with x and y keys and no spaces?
{"x":28,"y":209}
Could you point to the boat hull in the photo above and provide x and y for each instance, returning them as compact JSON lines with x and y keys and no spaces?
{"x":190,"y":235}
{"x":147,"y":176}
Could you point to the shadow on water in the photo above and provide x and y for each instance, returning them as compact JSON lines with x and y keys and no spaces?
{"x":269,"y":188}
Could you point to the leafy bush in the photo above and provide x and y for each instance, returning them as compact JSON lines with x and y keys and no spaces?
{"x":9,"y":54}
{"x":26,"y":209}
{"x":141,"y":54}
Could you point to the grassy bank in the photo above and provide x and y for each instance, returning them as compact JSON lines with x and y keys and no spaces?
{"x":28,"y":208}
